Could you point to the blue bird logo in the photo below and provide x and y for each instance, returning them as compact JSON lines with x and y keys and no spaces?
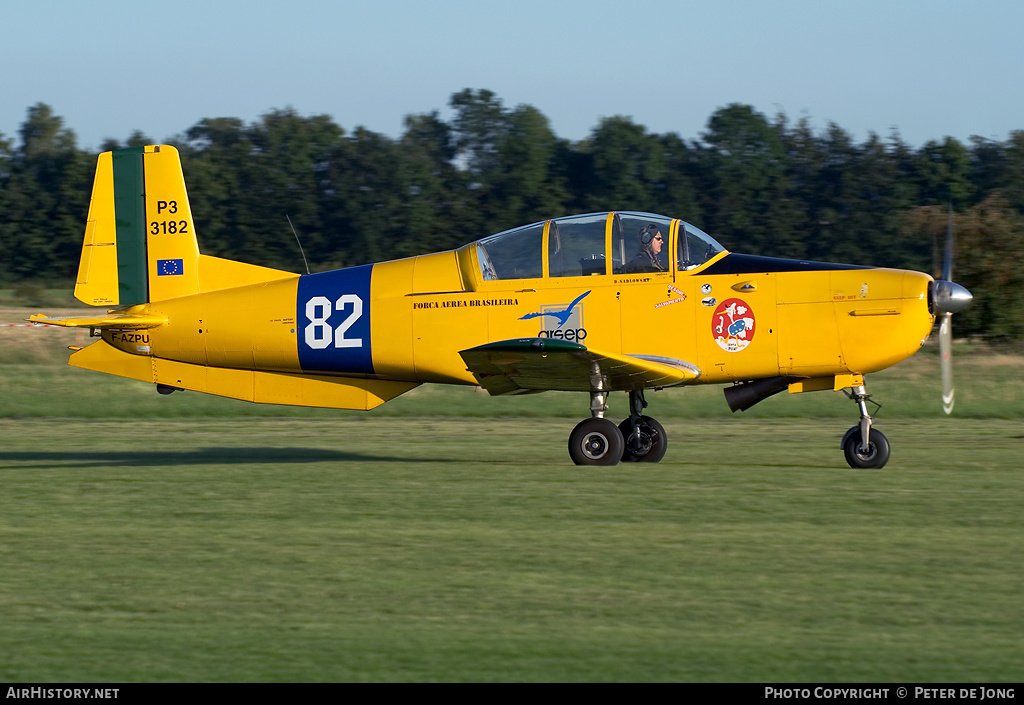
{"x":562,"y":315}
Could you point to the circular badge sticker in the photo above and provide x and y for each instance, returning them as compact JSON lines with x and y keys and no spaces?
{"x":732,"y":325}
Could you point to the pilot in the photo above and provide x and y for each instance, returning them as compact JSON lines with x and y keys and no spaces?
{"x":648,"y":258}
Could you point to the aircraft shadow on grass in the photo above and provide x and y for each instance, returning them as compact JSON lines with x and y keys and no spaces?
{"x":198,"y":456}
{"x":249,"y":456}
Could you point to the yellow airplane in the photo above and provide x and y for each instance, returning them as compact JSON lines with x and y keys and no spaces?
{"x":595,"y":303}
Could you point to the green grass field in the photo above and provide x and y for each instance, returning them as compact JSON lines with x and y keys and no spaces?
{"x":446,"y":536}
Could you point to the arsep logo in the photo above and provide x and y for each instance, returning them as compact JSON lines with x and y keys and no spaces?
{"x":569,"y":320}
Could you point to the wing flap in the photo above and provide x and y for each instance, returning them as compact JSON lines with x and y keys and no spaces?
{"x":531,"y":364}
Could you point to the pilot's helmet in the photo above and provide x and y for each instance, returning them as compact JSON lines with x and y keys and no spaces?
{"x":648,"y":233}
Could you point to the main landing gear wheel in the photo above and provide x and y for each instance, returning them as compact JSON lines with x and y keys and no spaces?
{"x":876,"y":455}
{"x":647,"y":444}
{"x":596,"y":441}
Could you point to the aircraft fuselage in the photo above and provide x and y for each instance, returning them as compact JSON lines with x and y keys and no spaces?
{"x":408,"y":319}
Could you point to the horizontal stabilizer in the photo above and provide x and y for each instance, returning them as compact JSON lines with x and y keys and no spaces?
{"x":539,"y":364}
{"x":117,"y":319}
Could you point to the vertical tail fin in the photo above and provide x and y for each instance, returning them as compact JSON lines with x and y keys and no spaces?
{"x":140,"y":243}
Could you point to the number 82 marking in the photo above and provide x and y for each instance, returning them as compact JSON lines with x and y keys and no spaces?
{"x":319,"y":334}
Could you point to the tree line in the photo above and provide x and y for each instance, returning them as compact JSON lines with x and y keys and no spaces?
{"x":759,"y":184}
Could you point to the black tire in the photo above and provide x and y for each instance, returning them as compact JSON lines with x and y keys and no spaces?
{"x":877,"y":454}
{"x":650,"y":447}
{"x":596,"y":442}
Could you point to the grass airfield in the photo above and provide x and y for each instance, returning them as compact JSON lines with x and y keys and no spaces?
{"x":446,"y":536}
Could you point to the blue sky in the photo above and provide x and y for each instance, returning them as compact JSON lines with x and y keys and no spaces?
{"x":928,"y":68}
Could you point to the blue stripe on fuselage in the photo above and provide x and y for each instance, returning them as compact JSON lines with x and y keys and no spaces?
{"x":332,"y":315}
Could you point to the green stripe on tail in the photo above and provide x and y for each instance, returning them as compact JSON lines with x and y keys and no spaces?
{"x":130,"y":215}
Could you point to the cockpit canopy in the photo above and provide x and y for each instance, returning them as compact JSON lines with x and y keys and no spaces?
{"x":593,"y":244}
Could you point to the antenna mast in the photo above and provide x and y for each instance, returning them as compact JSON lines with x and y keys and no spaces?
{"x":298,"y":243}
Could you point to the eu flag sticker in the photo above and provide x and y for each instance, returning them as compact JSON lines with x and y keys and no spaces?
{"x":169,"y":267}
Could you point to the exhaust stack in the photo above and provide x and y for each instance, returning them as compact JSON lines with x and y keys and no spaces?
{"x":741,"y":397}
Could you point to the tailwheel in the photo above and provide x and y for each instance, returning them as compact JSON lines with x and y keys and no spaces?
{"x":645,"y":441}
{"x":596,"y":441}
{"x":874,"y":455}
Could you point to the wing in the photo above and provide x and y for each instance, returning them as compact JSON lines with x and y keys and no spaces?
{"x":532,"y":364}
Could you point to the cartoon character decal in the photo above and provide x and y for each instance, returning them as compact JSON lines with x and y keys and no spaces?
{"x":732,"y":325}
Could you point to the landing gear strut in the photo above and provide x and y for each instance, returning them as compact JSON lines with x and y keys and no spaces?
{"x":598,"y":441}
{"x":645,"y":438}
{"x":863,"y":446}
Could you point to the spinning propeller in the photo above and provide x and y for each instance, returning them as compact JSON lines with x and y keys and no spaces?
{"x":949,"y":299}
